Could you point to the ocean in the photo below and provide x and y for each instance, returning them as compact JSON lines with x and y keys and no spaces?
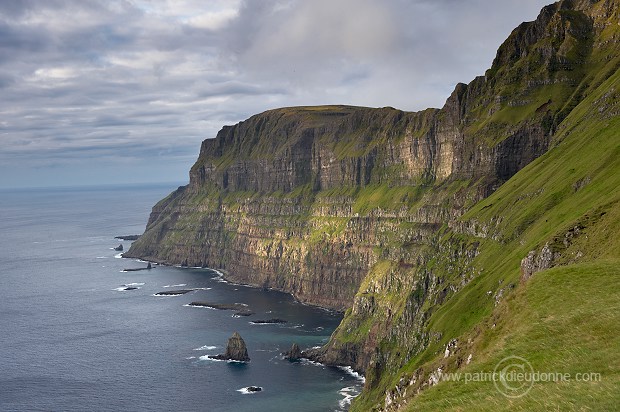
{"x":72,"y":339}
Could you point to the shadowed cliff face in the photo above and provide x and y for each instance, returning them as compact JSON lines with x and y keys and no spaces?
{"x":360,"y":208}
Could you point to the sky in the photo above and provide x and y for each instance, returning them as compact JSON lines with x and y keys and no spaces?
{"x":123,"y":91}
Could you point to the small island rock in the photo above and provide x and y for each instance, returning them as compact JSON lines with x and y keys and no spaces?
{"x":294,"y":354}
{"x":119,"y":248}
{"x":235,"y":350}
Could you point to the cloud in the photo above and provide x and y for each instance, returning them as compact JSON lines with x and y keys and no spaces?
{"x":143,"y":82}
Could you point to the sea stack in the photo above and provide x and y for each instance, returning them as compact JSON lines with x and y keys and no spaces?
{"x":294,"y":354}
{"x":119,"y":248}
{"x":235,"y":350}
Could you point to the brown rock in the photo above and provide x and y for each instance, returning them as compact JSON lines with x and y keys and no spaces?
{"x":235,"y":350}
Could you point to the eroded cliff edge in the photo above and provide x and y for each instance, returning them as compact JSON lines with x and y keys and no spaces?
{"x":377,"y":210}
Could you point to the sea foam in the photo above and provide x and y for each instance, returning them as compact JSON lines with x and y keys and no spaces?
{"x":351,"y":372}
{"x":206,"y":347}
{"x":246,"y":390}
{"x":348,"y":393}
{"x":207,"y":358}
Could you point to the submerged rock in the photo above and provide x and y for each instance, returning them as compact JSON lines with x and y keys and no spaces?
{"x":127,"y":237}
{"x":148,"y":267}
{"x":254,"y":389}
{"x":174,"y":292}
{"x":235,"y":350}
{"x":241,"y":309}
{"x":269,"y":321}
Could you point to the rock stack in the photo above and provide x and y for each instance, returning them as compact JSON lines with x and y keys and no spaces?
{"x":235,"y":350}
{"x":294,"y":354}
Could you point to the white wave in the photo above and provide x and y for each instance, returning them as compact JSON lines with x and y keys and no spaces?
{"x":119,"y":255}
{"x":351,"y":372}
{"x":101,"y":257}
{"x":219,"y":277}
{"x":190,"y":357}
{"x":196,"y":306}
{"x":313,"y":363}
{"x":176,"y":286}
{"x":124,"y":289}
{"x":348,"y":389}
{"x":207,"y":358}
{"x":242,"y":304}
{"x":206,"y":347}
{"x":134,"y":284}
{"x":246,"y":390}
{"x":348,"y":393}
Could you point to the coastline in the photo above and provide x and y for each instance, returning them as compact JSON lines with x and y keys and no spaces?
{"x":312,"y":354}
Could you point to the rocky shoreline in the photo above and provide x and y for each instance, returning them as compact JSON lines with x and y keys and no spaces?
{"x":320,"y":355}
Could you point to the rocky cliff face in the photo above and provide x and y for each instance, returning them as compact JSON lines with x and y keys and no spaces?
{"x":362,"y":209}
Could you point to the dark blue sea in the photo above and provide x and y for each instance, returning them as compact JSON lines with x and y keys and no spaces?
{"x":71,"y":339}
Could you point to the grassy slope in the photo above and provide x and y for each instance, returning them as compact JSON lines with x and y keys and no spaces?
{"x":565,"y":319}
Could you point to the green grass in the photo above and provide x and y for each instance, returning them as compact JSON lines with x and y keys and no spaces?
{"x":565,"y":320}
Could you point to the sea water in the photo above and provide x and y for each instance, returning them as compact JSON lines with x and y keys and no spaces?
{"x":73,"y":339}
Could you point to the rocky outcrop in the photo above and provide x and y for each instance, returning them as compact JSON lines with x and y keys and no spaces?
{"x":294,"y":354}
{"x":536,"y":261}
{"x":235,"y":350}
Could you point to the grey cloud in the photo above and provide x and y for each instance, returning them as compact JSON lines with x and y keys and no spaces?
{"x":114,"y":80}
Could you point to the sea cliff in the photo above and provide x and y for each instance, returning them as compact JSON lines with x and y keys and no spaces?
{"x":416,"y":224}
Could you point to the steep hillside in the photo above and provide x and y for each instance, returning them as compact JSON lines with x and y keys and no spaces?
{"x":561,"y":212}
{"x":432,"y":228}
